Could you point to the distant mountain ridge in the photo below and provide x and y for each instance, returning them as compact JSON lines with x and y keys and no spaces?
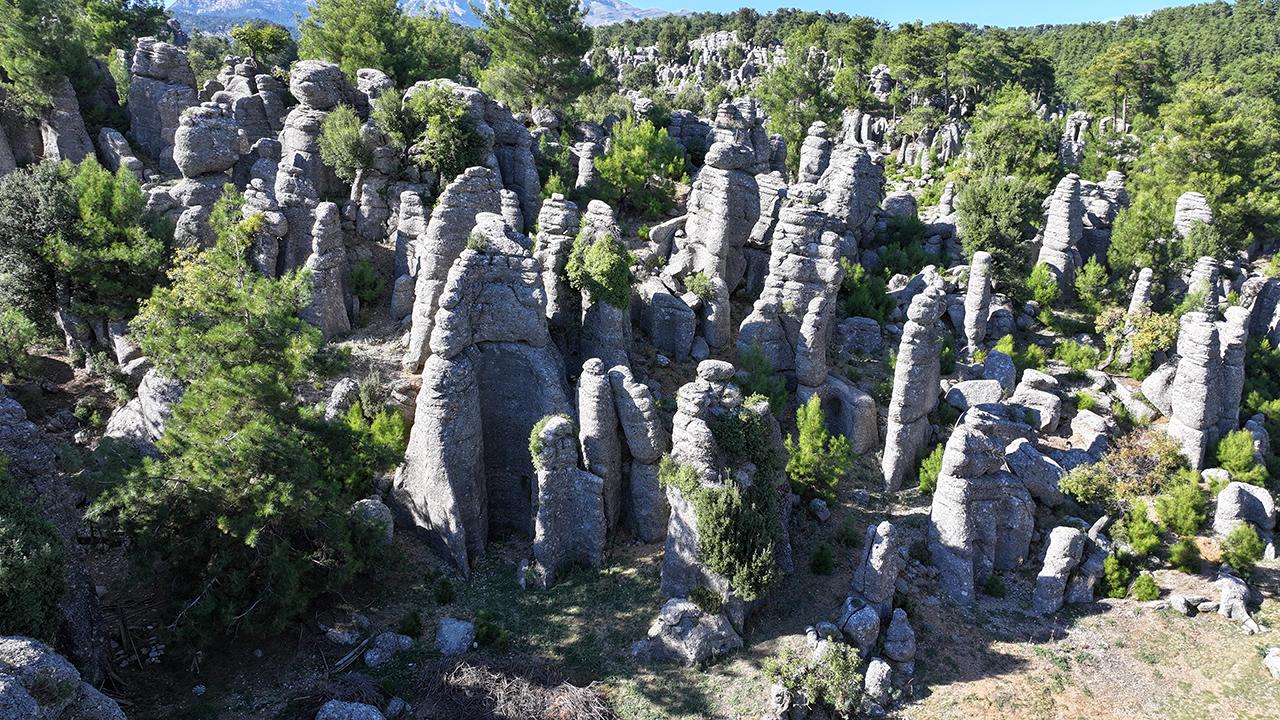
{"x":218,"y":14}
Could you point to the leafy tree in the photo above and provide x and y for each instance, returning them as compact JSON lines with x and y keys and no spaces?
{"x":343,"y":145}
{"x":433,"y":128}
{"x":1009,"y":138}
{"x":757,"y":377}
{"x":994,"y":212}
{"x":205,"y":53}
{"x":1129,"y":74}
{"x":1184,"y":555}
{"x":41,"y":42}
{"x":1181,"y":507}
{"x":380,"y":34}
{"x":864,"y":294}
{"x":114,"y":24}
{"x":245,"y":511}
{"x":1091,"y":285}
{"x":536,"y":52}
{"x":817,"y":461}
{"x":638,"y":169}
{"x":1138,"y":530}
{"x":1045,"y":290}
{"x":17,"y":333}
{"x":31,"y":570}
{"x":797,"y":93}
{"x":265,"y":42}
{"x":77,"y":238}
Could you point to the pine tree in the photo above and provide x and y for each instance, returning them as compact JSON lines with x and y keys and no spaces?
{"x":537,"y":49}
{"x":817,"y":461}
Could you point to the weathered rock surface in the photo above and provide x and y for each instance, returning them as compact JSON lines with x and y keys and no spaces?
{"x":36,"y":683}
{"x":1195,"y":398}
{"x":915,"y":387}
{"x":571,"y":524}
{"x":1063,"y":554}
{"x":328,"y":268}
{"x":162,"y":86}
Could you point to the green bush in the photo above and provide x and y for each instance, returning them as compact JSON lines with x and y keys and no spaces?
{"x":700,"y":285}
{"x":864,"y":294}
{"x":601,"y":268}
{"x":757,"y":377}
{"x":443,"y":592}
{"x":17,"y":333}
{"x":707,"y":600}
{"x":994,"y":586}
{"x":410,"y":624}
{"x":848,"y":535}
{"x":993,"y":210}
{"x":1085,"y":400}
{"x":1152,"y":333}
{"x":535,"y":439}
{"x":1045,"y":291}
{"x":1138,"y":530}
{"x":434,"y":127}
{"x":1182,"y":507}
{"x":1242,"y":548}
{"x":1235,"y":454}
{"x":1115,"y":577}
{"x":1089,"y":485}
{"x":931,"y":468}
{"x":342,"y":144}
{"x":245,"y":511}
{"x":31,"y":570}
{"x":902,"y":250}
{"x":735,"y":527}
{"x":1076,"y":355}
{"x":1184,"y":555}
{"x":1028,"y":356}
{"x":816,"y":461}
{"x":1145,"y":588}
{"x":365,"y":283}
{"x":1091,"y":285}
{"x":823,"y":560}
{"x":832,"y":681}
{"x":1262,"y":384}
{"x":638,"y":170}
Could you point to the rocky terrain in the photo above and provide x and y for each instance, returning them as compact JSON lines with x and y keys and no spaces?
{"x":470,"y":427}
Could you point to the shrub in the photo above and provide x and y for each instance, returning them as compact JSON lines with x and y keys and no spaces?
{"x":832,"y":681}
{"x":735,"y":526}
{"x":823,"y":560}
{"x":410,"y":624}
{"x":864,"y":294}
{"x":443,"y":592}
{"x":707,"y":600}
{"x":848,"y":535}
{"x":1085,"y":400}
{"x":535,"y":439}
{"x":1235,"y":454}
{"x":365,"y":283}
{"x":1138,"y":531}
{"x":1075,"y":355}
{"x":443,"y":136}
{"x":1184,"y":555}
{"x":1028,"y":356}
{"x":994,"y":586}
{"x":601,"y":268}
{"x":1045,"y":290}
{"x":1152,"y":333}
{"x":931,"y":468}
{"x":31,"y":570}
{"x":1138,"y":464}
{"x":902,"y":250}
{"x":1242,"y":548}
{"x":17,"y":333}
{"x":638,"y":168}
{"x":1145,"y":588}
{"x":1089,"y":485}
{"x":817,"y":461}
{"x":700,"y":285}
{"x":1115,"y":577}
{"x":342,"y":144}
{"x":756,"y":377}
{"x":993,"y":210}
{"x":1182,"y":506}
{"x":1091,"y":285}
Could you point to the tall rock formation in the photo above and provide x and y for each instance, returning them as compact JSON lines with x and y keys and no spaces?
{"x":915,"y":387}
{"x":161,"y":87}
{"x":1062,"y":230}
{"x":492,"y":374}
{"x":570,"y":527}
{"x":1196,"y":395}
{"x":977,"y":301}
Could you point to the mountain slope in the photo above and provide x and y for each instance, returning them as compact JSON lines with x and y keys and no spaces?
{"x":218,"y":14}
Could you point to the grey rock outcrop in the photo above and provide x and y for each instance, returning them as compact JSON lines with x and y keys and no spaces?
{"x":36,"y":683}
{"x":141,"y":421}
{"x":207,"y":144}
{"x":883,"y":558}
{"x":327,"y":266}
{"x":62,"y":128}
{"x":606,"y":327}
{"x":571,"y":524}
{"x":1064,"y":552}
{"x":115,"y":153}
{"x":815,"y":153}
{"x":1233,"y":337}
{"x":452,"y":221}
{"x":1191,"y":208}
{"x":1240,"y":502}
{"x":915,"y":387}
{"x":1195,"y":398}
{"x":33,"y":470}
{"x":493,"y":373}
{"x":161,"y":87}
{"x":686,"y":634}
{"x":977,"y":300}
{"x":557,"y":228}
{"x":1062,"y":230}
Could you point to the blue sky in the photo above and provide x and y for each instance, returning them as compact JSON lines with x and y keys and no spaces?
{"x":1001,"y":12}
